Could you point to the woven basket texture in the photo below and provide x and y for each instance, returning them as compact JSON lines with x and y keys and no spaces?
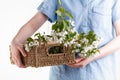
{"x":39,"y":56}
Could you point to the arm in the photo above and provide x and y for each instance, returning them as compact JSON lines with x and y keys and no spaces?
{"x":111,"y":47}
{"x":27,"y":30}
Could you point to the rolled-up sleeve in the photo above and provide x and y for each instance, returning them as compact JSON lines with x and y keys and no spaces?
{"x":48,"y":7}
{"x":116,"y":11}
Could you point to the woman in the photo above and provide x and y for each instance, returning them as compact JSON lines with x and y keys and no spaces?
{"x":101,"y":16}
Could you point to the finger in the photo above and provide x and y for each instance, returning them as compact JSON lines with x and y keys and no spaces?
{"x":17,"y":59}
{"x":18,"y":62}
{"x":81,"y":63}
{"x":74,"y":66}
{"x":15,"y":54}
{"x":78,"y":65}
{"x":22,"y":51}
{"x":79,"y":59}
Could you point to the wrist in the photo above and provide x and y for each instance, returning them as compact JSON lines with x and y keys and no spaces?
{"x":16,"y":42}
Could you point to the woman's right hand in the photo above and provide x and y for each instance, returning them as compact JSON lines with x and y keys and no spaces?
{"x":17,"y":50}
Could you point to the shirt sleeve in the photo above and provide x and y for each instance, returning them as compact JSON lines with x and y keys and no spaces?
{"x":48,"y":7}
{"x":116,"y":11}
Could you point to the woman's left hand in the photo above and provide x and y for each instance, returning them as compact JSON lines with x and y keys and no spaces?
{"x":81,"y":62}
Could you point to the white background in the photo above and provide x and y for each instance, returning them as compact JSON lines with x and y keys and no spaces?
{"x":13,"y":14}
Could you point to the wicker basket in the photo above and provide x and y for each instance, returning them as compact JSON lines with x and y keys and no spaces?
{"x":40,"y":56}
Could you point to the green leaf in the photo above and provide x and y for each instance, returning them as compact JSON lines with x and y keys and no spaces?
{"x":64,"y":24}
{"x":30,"y":40}
{"x":59,"y":2}
{"x":68,"y":14}
{"x":91,"y":36}
{"x":60,"y":11}
{"x":81,"y":35}
{"x":61,"y":27}
{"x":49,"y":36}
{"x":54,"y":26}
{"x":38,"y":35}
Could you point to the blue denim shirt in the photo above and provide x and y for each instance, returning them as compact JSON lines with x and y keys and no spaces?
{"x":96,"y":15}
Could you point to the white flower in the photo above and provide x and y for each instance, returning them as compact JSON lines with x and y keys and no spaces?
{"x":98,"y":38}
{"x":54,"y":38}
{"x":65,"y":32}
{"x":53,"y":33}
{"x":60,"y":40}
{"x":62,"y":37}
{"x":65,"y":45}
{"x":95,"y":43}
{"x":71,"y":42}
{"x":85,"y":49}
{"x":76,"y":37}
{"x":77,"y":42}
{"x":46,"y":38}
{"x":36,"y":42}
{"x":90,"y":47}
{"x":30,"y":44}
{"x":81,"y":55}
{"x":78,"y":45}
{"x":85,"y":40}
{"x":96,"y":54}
{"x":50,"y":39}
{"x":82,"y":52}
{"x":73,"y":51}
{"x":84,"y":55}
{"x":27,"y":48}
{"x":72,"y":31}
{"x":59,"y":34}
{"x":77,"y":50}
{"x":72,"y":22}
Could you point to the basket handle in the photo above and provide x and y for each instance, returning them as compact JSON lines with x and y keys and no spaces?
{"x":55,"y":50}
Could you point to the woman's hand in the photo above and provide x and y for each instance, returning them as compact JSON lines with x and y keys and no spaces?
{"x":81,"y":62}
{"x":26,"y":31}
{"x":17,"y":50}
